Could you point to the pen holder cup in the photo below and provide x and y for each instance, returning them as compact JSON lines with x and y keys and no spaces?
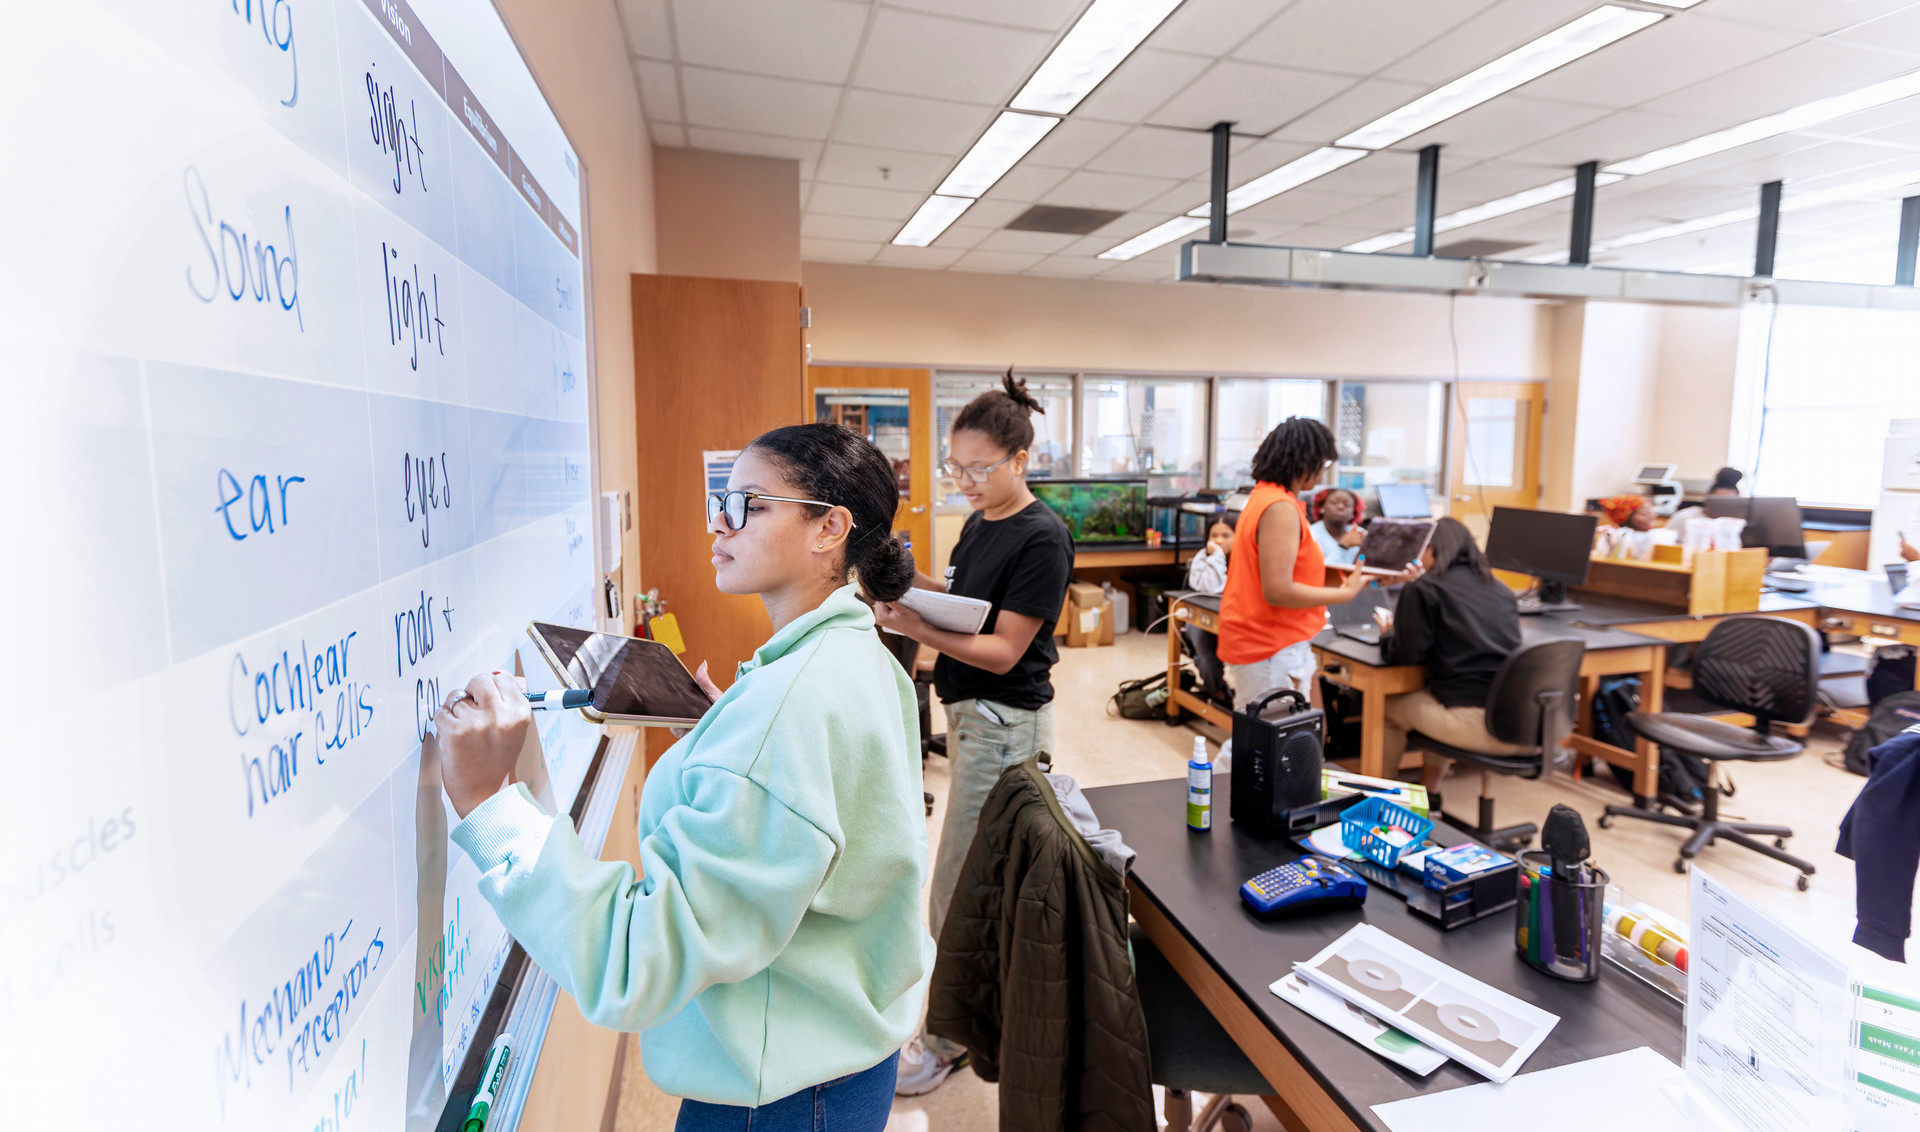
{"x":1557,"y":922}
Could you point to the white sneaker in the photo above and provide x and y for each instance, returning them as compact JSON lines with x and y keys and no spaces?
{"x":920,"y":1072}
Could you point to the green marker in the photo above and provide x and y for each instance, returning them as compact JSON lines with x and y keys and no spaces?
{"x":491,"y":1079}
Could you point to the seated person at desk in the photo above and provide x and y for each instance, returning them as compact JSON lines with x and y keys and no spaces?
{"x":1207,"y":574}
{"x":1628,"y":512}
{"x":1335,"y":531}
{"x":1726,"y":481}
{"x":1276,"y":596}
{"x":1460,"y":623}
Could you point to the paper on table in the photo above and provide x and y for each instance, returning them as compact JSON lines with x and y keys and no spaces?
{"x":950,"y":612}
{"x":1485,"y":1029}
{"x":1357,"y":1024}
{"x":1326,"y":841}
{"x":1886,"y":1056}
{"x":1637,"y":1089}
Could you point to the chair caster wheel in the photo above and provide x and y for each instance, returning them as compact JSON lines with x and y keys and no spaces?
{"x":1680,"y":865}
{"x":1236,"y":1118}
{"x":1779,"y":843}
{"x":1804,"y":882}
{"x":1606,"y":821}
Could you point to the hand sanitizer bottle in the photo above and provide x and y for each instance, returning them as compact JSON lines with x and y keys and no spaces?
{"x":1199,"y":788}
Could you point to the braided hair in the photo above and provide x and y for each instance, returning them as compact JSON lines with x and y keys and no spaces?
{"x":1296,"y":447}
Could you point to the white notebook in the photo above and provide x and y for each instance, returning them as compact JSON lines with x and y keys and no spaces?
{"x":950,"y":612}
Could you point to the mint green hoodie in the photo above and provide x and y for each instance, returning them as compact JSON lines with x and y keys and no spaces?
{"x":774,"y":941}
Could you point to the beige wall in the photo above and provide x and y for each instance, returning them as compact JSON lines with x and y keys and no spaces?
{"x":1693,"y":405}
{"x":728,"y":216}
{"x":578,"y":52}
{"x":905,"y":316}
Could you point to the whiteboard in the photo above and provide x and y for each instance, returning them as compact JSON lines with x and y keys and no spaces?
{"x":293,"y":340}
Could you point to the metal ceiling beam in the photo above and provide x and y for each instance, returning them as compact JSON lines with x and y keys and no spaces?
{"x":1768,"y":239}
{"x":1426,"y":193}
{"x":1909,"y":241}
{"x":1580,"y":240}
{"x":1217,"y":195}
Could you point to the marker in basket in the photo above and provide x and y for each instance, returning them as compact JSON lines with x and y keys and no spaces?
{"x":491,"y":1079}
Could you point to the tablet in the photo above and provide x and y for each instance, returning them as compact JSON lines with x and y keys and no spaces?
{"x":633,"y":681}
{"x":1394,"y":544}
{"x":950,"y":612}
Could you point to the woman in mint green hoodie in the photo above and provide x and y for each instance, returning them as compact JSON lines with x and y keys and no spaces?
{"x":771,"y":952}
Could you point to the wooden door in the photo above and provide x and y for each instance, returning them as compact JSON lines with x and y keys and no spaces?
{"x":716,"y":363}
{"x":869,"y":400}
{"x":1495,"y":449}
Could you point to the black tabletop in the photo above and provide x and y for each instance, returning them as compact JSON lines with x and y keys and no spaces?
{"x":1532,"y":628}
{"x":1195,"y":879}
{"x":1603,"y":611}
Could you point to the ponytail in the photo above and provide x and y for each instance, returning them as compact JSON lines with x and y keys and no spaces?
{"x":833,"y":463}
{"x":1004,"y":416}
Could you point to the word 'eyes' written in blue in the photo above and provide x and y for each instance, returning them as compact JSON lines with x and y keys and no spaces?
{"x":428,"y":488}
{"x":276,"y":27}
{"x":396,"y":134}
{"x":411,"y":314}
{"x":260,"y":499}
{"x":241,"y":265}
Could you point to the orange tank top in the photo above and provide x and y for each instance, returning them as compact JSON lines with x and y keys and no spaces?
{"x":1250,"y":629}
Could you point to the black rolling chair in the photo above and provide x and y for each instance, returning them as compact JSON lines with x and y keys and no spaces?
{"x":1767,"y":667}
{"x":1531,"y":704}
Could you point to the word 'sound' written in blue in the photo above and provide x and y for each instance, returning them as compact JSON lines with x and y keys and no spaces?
{"x":240,"y":265}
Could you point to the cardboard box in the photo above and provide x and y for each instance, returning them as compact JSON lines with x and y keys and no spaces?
{"x":1090,"y":628}
{"x":1084,"y":595}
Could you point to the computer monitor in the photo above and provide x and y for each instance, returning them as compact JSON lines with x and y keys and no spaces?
{"x":1553,"y":546}
{"x":1772,"y":522}
{"x":1404,"y":501}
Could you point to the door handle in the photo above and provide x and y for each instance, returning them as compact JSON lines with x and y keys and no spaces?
{"x":1463,"y":499}
{"x":920,"y":510}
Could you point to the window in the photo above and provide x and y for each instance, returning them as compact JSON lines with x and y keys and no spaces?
{"x":1052,"y":430}
{"x":1134,"y":426}
{"x":1391,"y":432}
{"x":1245,"y":411}
{"x":1817,"y":403}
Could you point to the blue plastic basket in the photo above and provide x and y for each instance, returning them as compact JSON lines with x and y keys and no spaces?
{"x":1357,"y":824}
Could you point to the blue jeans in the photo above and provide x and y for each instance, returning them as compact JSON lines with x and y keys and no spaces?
{"x":858,"y":1102}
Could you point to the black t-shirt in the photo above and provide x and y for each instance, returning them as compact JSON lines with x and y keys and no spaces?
{"x":1021,"y":564}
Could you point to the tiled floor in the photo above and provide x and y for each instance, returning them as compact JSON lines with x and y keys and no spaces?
{"x":1808,"y":793}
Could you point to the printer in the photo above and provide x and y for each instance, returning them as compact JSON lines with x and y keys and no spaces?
{"x":1657,"y":483}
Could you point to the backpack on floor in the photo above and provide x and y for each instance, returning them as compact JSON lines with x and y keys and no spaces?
{"x":1136,"y":699}
{"x":1891,"y":715}
{"x":1683,"y":777}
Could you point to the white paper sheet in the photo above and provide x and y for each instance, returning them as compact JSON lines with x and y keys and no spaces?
{"x":1344,"y":1016}
{"x":1635,"y":1090}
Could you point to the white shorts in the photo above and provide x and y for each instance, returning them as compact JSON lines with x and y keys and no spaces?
{"x":1291,"y":667}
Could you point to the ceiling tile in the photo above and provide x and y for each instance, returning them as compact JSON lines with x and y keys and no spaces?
{"x":1328,"y":235}
{"x":1074,"y":266}
{"x":1186,"y":195}
{"x":929,"y":257}
{"x":757,"y":145}
{"x":648,"y":32}
{"x":845,"y":251}
{"x":1349,"y":110}
{"x":1026,"y":183}
{"x":1899,"y":31}
{"x":818,"y":226}
{"x":1505,"y":125}
{"x":1800,"y":15}
{"x":1382,"y":214}
{"x":659,"y":90}
{"x":1305,"y":205}
{"x":1871,"y":123}
{"x":1158,"y":266}
{"x":977,"y":260}
{"x":1046,"y":15}
{"x":669,"y":134}
{"x":794,"y":39}
{"x":1073,"y":143}
{"x":963,"y":236}
{"x":1255,"y":96}
{"x":1481,"y":39}
{"x":992,"y":214}
{"x":1213,"y":27}
{"x":910,"y":53}
{"x":1627,"y":133}
{"x":882,"y":168}
{"x":852,"y":200}
{"x":1658,"y":60}
{"x":1107,"y":190}
{"x":1007,"y":240}
{"x":898,"y":121}
{"x":1141,"y":84}
{"x":1386,"y":171}
{"x":1354,"y":39}
{"x":1157,"y":152}
{"x":1477,"y":183}
{"x":1802,"y":74}
{"x":758,"y":105}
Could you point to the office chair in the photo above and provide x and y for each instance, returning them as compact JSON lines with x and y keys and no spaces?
{"x":1188,"y":1050}
{"x":1531,"y":704}
{"x":1766,"y":667}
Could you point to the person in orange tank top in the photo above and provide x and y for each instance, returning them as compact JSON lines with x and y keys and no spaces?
{"x":1276,"y":596}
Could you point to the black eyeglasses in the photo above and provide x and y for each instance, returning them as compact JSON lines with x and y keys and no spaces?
{"x":955,"y":471}
{"x":733,"y":504}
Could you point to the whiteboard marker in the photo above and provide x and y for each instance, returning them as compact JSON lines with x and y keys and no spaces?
{"x":491,"y":1078}
{"x":559,"y":699}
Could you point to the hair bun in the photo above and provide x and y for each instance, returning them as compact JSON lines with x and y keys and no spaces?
{"x":1016,"y":388}
{"x":885,"y":568}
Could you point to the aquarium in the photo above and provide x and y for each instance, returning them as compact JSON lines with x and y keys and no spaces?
{"x":1098,"y":510}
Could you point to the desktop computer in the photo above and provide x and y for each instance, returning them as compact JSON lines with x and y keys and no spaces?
{"x":1404,"y":501}
{"x":1772,"y":522}
{"x":1553,"y":546}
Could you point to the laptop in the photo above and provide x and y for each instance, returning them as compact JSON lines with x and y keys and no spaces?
{"x":1404,"y":501}
{"x":1394,"y":544}
{"x":1354,"y":620}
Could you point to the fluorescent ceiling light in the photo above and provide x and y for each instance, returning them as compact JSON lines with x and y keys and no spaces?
{"x":1760,"y":129}
{"x":1526,"y":198}
{"x":1789,"y":202}
{"x":1681,"y":228}
{"x":931,"y":219}
{"x":998,"y":150}
{"x":1104,"y":35}
{"x":1292,"y":175}
{"x":1154,"y":237}
{"x":1523,"y":64}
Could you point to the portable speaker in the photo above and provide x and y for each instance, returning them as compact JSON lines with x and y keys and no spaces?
{"x":1276,"y":761}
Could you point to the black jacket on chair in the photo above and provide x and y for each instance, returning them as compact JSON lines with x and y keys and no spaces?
{"x":1881,"y":833}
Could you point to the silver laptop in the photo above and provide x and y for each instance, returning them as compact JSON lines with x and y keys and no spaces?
{"x":1354,"y":620}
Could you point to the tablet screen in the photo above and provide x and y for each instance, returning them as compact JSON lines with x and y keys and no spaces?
{"x":630,"y":678}
{"x":1392,"y":544}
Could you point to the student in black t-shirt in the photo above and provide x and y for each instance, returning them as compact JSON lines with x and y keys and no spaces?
{"x":1017,"y":554}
